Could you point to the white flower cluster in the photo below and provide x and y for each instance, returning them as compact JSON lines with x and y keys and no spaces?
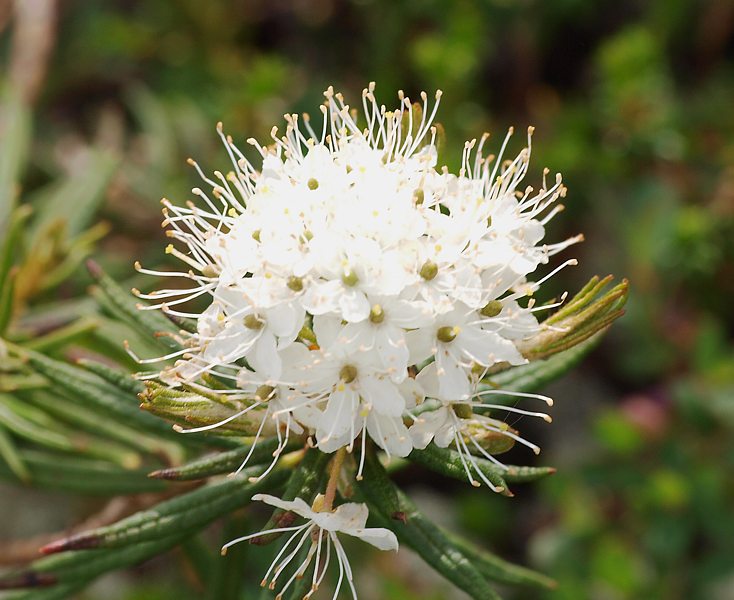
{"x":351,"y":278}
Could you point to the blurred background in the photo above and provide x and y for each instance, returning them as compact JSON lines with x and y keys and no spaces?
{"x":633,"y":101}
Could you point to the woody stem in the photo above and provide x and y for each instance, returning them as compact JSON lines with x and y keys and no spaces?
{"x":336,"y":467}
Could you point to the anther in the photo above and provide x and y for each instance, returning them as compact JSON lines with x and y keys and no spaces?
{"x":295,"y":283}
{"x":377,"y":315}
{"x":491,"y":309}
{"x":463,"y":411}
{"x":348,"y":373}
{"x":349,"y":278}
{"x":447,"y":334}
{"x":264,"y":392}
{"x":253,"y":322}
{"x":429,"y":270}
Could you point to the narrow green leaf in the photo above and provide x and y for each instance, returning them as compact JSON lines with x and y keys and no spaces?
{"x":147,"y":322}
{"x":223,"y":462}
{"x":520,"y":474}
{"x":419,"y":533}
{"x":80,"y":475}
{"x":62,"y":591}
{"x":538,"y":373}
{"x":74,"y":570}
{"x":9,"y":453}
{"x":63,"y":336}
{"x":75,"y":200}
{"x":15,"y":141}
{"x":449,"y":463}
{"x":500,"y":570}
{"x":31,"y":423}
{"x":9,"y":248}
{"x":119,"y":379}
{"x":190,"y":511}
{"x":87,"y":389}
{"x":7,"y":294}
{"x":79,"y":416}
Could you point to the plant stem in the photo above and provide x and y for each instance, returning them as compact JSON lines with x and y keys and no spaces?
{"x":336,"y":467}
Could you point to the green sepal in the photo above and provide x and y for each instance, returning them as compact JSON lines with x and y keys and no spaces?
{"x":589,"y":312}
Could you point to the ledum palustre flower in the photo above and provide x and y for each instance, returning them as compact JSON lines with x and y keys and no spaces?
{"x":357,"y":292}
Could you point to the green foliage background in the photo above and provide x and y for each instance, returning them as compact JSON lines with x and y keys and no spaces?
{"x":632,"y":102}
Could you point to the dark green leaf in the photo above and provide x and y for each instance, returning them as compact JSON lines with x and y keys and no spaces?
{"x":191,"y":512}
{"x":394,"y":510}
{"x":223,"y":462}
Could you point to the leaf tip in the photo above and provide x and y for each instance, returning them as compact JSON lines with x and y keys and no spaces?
{"x":94,"y":269}
{"x":75,"y":542}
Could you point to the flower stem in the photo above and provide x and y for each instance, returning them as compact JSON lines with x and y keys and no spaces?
{"x":336,"y":467}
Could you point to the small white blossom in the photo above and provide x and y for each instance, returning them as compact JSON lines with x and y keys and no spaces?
{"x":319,"y":534}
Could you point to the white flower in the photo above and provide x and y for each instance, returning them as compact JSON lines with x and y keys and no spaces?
{"x":457,"y":341}
{"x":456,"y":422}
{"x":348,"y":261}
{"x":351,"y":393}
{"x":320,"y":534}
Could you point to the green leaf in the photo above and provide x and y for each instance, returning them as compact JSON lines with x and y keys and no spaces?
{"x":396,"y":512}
{"x":63,"y":336}
{"x":74,"y":570}
{"x":15,"y":141}
{"x":190,"y":512}
{"x":448,"y":462}
{"x":80,"y":475}
{"x":223,"y":462}
{"x":75,"y":200}
{"x":520,"y":474}
{"x":9,"y":248}
{"x":7,"y":296}
{"x":80,"y":417}
{"x":30,"y":423}
{"x":89,"y":390}
{"x":497,"y":569}
{"x":537,"y":374}
{"x":147,"y":322}
{"x":9,"y":453}
{"x":56,"y":592}
{"x":119,"y":379}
